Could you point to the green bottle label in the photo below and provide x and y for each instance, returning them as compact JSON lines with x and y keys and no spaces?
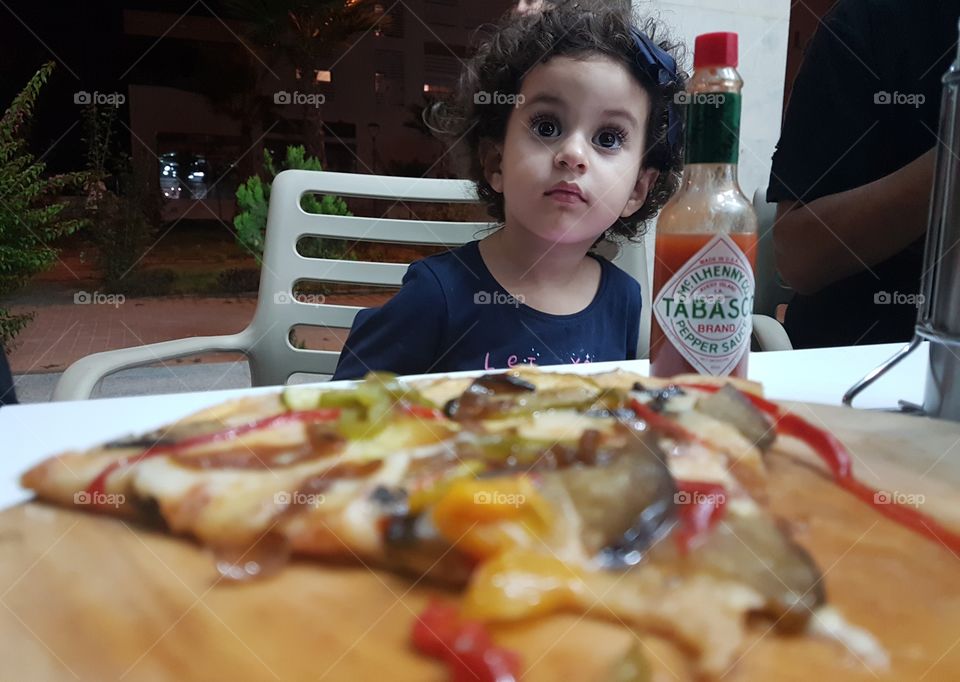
{"x":713,"y":126}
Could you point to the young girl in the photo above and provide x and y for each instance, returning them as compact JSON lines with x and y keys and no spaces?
{"x":573,"y":138}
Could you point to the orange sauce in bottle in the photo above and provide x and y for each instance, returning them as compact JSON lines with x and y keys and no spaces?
{"x":673,"y":252}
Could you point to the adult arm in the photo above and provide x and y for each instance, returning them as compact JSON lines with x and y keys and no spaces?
{"x":822,"y":241}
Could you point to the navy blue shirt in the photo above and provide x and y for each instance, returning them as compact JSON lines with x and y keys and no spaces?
{"x":451,"y":314}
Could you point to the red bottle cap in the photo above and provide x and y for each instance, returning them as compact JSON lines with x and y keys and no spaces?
{"x":715,"y":49}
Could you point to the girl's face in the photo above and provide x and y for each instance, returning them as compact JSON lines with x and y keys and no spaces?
{"x":581,"y":122}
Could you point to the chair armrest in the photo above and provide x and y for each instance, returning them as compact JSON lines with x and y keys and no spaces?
{"x":770,"y":334}
{"x":80,"y":378}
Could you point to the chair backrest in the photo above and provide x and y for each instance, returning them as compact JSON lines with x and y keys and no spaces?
{"x":771,"y":291}
{"x":634,"y":258}
{"x":273,"y":359}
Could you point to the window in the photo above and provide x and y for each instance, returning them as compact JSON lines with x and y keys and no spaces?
{"x":441,"y":12}
{"x":197,"y":166}
{"x":392,"y":23}
{"x":388,"y":80}
{"x":441,"y":66}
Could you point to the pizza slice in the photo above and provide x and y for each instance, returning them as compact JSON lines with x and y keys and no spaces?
{"x":631,"y":498}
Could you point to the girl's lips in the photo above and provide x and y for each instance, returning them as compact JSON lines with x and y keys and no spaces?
{"x":565,"y":197}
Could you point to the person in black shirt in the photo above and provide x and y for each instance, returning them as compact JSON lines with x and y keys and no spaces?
{"x":7,"y":394}
{"x":853,"y":170}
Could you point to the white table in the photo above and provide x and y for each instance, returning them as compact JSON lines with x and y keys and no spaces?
{"x":29,"y":433}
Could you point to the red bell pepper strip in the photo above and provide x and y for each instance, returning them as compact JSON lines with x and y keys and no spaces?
{"x":465,"y":646}
{"x":700,"y":505}
{"x":96,"y":488}
{"x":421,"y":411}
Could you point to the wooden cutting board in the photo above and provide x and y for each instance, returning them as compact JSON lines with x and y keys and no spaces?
{"x":92,"y":598}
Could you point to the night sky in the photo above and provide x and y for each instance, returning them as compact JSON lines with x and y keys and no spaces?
{"x":87,"y":42}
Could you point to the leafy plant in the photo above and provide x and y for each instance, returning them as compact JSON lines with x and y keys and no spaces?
{"x":123,"y":207}
{"x":31,"y":204}
{"x":253,"y":199}
{"x":124,"y":228}
{"x":238,"y":281}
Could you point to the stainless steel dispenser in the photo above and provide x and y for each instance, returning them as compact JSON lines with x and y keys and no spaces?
{"x":938,"y":319}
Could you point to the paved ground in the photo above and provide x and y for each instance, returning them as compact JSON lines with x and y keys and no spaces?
{"x":36,"y":388}
{"x":73,"y":319}
{"x":64,"y":331}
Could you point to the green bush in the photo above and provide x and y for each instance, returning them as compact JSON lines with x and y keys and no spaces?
{"x":123,"y":207}
{"x":238,"y":281}
{"x":155,"y":282}
{"x":253,"y":199}
{"x":31,"y":217}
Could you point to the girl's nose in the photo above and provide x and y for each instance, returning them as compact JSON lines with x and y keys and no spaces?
{"x":571,"y":155}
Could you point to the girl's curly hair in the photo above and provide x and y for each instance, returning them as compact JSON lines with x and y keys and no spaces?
{"x":517,"y":44}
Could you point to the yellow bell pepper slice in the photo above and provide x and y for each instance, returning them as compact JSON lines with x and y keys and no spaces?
{"x":521,"y":583}
{"x":485,"y":516}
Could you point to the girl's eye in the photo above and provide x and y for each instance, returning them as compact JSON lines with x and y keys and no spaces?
{"x":611,"y":138}
{"x":545,"y":126}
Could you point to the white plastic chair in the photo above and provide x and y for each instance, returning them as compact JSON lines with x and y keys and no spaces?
{"x":266,"y":341}
{"x":771,"y":291}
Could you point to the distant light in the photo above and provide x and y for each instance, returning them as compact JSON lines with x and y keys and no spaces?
{"x":427,"y":87}
{"x":324,"y":76}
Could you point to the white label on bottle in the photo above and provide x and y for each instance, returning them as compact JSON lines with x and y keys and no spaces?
{"x":706,"y":308}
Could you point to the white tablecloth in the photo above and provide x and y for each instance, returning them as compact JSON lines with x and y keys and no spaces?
{"x":28,"y":433}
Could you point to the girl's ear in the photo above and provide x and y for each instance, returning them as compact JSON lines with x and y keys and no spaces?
{"x":491,"y":158}
{"x":645,"y":180}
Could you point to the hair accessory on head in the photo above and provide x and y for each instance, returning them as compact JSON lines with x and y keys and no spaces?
{"x":661,"y":68}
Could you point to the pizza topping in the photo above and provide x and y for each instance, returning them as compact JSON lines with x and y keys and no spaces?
{"x":523,"y":583}
{"x":657,"y":398}
{"x":297,"y":398}
{"x":480,"y":398}
{"x":420,"y":411}
{"x":485,"y":516}
{"x":700,"y":505}
{"x":325,"y":439}
{"x":633,"y":667}
{"x":660,"y":424}
{"x":465,"y":646}
{"x":367,"y":408}
{"x":413,"y":545}
{"x":97,"y":487}
{"x":260,"y":456}
{"x":750,"y":548}
{"x":503,"y":384}
{"x":733,"y":407}
{"x":320,"y":483}
{"x":828,"y":623}
{"x":624,"y":506}
{"x":498,"y":395}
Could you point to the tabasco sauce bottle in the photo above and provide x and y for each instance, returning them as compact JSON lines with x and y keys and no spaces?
{"x":703,"y":280}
